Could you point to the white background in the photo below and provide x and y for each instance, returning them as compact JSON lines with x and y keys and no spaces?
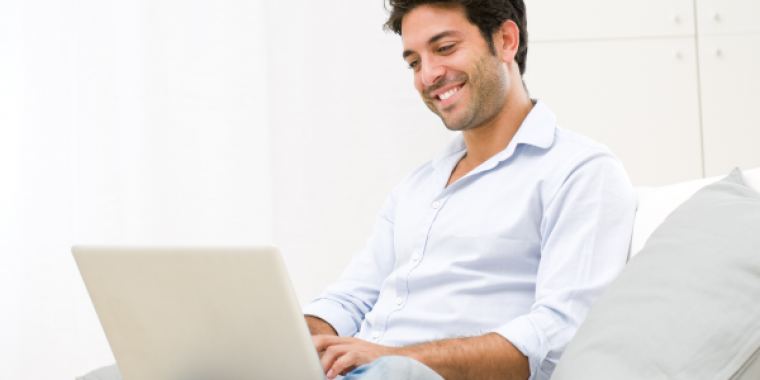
{"x":288,"y":122}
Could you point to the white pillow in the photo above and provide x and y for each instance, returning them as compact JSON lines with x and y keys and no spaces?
{"x":685,"y":308}
{"x":656,"y":203}
{"x":752,"y":178}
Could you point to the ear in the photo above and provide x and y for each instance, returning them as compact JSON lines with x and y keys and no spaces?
{"x":506,"y":41}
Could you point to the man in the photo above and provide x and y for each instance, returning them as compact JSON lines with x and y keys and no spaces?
{"x":484,"y":261}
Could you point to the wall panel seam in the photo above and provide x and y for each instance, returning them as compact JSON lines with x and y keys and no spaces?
{"x":699,"y":89}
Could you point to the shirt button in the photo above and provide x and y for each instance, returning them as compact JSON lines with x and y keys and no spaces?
{"x":415,"y":257}
{"x":399,"y":301}
{"x":376,"y":334}
{"x":436,"y":205}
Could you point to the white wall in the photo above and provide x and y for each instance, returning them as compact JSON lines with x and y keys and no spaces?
{"x":120,"y":122}
{"x":242,"y":122}
{"x":729,"y":50}
{"x":646,"y":79}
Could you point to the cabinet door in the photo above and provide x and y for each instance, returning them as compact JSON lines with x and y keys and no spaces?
{"x":638,"y":97}
{"x":730,"y":86}
{"x":561,"y":20}
{"x":728,"y":16}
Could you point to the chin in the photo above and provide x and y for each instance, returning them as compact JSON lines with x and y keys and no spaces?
{"x":455,"y":127}
{"x":457,"y":124}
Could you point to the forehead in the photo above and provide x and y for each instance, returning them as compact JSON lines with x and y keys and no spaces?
{"x":427,"y":21}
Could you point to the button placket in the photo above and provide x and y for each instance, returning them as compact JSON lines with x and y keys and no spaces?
{"x":402,"y":281}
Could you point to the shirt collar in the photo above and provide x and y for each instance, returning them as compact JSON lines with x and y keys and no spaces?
{"x":537,"y":129}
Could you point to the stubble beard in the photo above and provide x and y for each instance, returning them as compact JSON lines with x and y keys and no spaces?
{"x":488,"y":92}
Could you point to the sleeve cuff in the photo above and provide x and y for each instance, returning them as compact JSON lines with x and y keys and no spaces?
{"x":525,"y":337}
{"x":334,"y":314}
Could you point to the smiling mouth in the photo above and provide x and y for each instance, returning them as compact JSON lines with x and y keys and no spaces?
{"x":449,"y":93}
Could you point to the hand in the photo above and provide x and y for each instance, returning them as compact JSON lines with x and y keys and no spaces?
{"x":342,"y":355}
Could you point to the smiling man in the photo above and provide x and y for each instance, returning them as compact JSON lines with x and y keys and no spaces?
{"x":484,"y":261}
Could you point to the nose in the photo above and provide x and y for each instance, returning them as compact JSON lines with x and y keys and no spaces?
{"x":431,"y":72}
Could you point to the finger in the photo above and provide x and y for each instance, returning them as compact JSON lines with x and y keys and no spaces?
{"x":321,"y":342}
{"x":332,"y":354}
{"x":348,"y":363}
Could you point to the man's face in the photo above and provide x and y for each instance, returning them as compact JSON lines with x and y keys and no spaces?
{"x":456,"y":74}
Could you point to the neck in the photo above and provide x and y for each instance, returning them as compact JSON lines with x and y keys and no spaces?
{"x":492,"y":137}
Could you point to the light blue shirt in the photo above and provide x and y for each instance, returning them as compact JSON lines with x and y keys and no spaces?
{"x":522,"y":245}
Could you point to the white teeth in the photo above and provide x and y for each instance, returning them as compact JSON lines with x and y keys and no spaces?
{"x":448,"y":94}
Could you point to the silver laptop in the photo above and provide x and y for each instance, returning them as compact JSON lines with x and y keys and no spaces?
{"x":199,"y":313}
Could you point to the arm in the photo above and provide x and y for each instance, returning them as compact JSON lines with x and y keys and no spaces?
{"x":586,"y":230}
{"x":485,"y":357}
{"x":493,"y":357}
{"x":344,"y":304}
{"x":318,"y":326}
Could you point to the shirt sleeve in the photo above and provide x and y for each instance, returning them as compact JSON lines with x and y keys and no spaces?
{"x":344,"y":303}
{"x":586,"y":231}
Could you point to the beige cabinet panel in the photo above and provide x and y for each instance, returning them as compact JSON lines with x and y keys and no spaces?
{"x":727,"y":16}
{"x":638,"y":97}
{"x":561,"y":20}
{"x":730,"y":85}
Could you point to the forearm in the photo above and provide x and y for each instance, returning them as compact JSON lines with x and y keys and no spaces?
{"x":318,"y":326}
{"x":486,"y":357}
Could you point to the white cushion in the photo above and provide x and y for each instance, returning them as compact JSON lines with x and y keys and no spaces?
{"x":753,"y":178}
{"x":686,"y":306}
{"x":656,"y":203}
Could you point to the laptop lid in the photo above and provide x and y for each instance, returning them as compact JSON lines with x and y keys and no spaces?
{"x":199,"y":313}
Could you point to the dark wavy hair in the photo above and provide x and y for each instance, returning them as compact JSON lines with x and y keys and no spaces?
{"x":487,"y":15}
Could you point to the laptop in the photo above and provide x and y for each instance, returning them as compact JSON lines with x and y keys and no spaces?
{"x":222,"y":313}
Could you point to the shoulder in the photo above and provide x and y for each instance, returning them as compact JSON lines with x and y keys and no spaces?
{"x":403,"y":189}
{"x":576,"y":150}
{"x":581,"y":159}
{"x":419,"y":175}
{"x":576,"y":146}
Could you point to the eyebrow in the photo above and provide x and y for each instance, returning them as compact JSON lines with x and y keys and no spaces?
{"x":432,"y":40}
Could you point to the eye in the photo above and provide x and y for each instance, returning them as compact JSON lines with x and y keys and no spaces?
{"x":446,"y":48}
{"x":413,"y":64}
